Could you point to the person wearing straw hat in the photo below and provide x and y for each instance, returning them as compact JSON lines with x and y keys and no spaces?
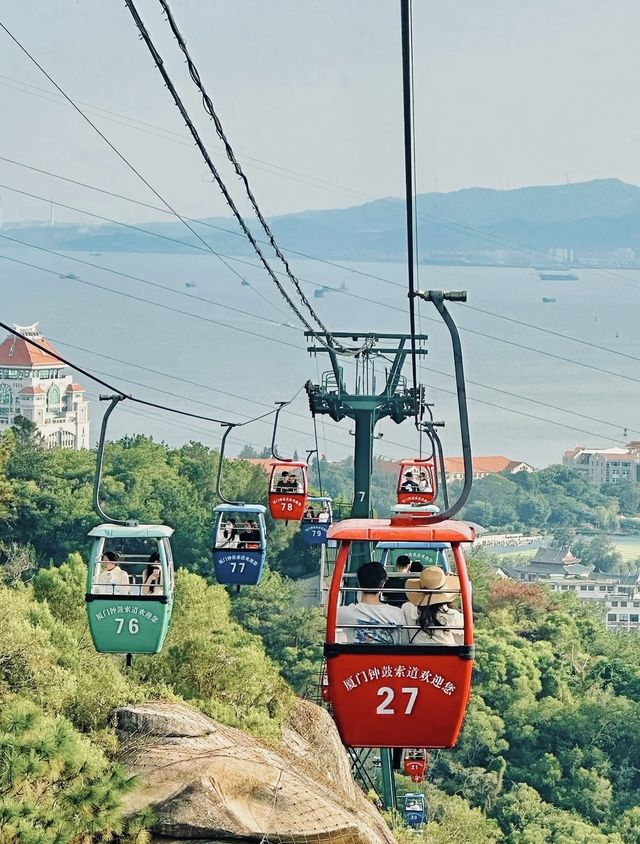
{"x":428,"y":612}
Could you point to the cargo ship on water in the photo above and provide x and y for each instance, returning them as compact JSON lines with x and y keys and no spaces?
{"x":558,"y":275}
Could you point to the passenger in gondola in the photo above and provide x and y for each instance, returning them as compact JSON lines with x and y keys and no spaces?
{"x":397,"y":599}
{"x":111,"y":579}
{"x":424,"y":482}
{"x":370,"y":620}
{"x":250,"y":536}
{"x":309,"y":515}
{"x":228,"y":537}
{"x":295,"y":482}
{"x":284,"y":481}
{"x":152,"y":577}
{"x":429,"y":613}
{"x":323,"y":515}
{"x":409,"y":484}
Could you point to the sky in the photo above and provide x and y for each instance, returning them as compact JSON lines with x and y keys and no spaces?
{"x":508,"y":93}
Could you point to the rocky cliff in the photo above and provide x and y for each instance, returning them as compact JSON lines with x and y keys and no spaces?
{"x":206,"y":781}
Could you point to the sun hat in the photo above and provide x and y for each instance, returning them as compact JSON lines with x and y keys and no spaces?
{"x":432,"y":578}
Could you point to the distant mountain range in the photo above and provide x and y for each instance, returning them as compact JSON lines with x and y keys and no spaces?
{"x":591,"y":218}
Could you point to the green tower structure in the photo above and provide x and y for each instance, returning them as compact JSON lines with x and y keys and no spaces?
{"x":367,"y":407}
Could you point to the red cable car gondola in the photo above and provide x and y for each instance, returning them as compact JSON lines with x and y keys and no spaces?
{"x":399,"y":695}
{"x":417,"y":482}
{"x":288,"y":488}
{"x":415,"y":761}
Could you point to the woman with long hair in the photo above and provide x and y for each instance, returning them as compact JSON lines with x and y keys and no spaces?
{"x":429,"y":614}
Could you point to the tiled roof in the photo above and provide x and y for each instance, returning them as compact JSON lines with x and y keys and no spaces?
{"x":488,"y":465}
{"x":558,"y":556}
{"x":17,"y":352}
{"x":574,"y":570}
{"x":32,"y":391}
{"x":75,"y":388}
{"x":267,"y":463}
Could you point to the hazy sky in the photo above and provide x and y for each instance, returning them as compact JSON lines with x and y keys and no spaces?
{"x":508,"y":93}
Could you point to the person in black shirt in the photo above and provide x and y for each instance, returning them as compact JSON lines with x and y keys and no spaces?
{"x":397,"y":599}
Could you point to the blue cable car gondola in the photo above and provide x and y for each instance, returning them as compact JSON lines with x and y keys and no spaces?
{"x":239,"y":544}
{"x":415,"y":810}
{"x":316,"y":521}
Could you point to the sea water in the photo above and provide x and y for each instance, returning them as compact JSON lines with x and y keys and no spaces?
{"x":178,"y":346}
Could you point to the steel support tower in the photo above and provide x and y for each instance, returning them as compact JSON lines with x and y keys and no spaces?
{"x":367,"y":407}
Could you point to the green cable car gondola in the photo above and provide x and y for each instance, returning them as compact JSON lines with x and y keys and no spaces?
{"x":130,"y":583}
{"x":130,"y":588}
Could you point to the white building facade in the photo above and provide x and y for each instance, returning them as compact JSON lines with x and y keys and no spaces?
{"x":33,"y":384}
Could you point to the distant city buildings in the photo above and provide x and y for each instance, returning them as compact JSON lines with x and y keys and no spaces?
{"x":561,"y":571}
{"x":33,"y":384}
{"x":605,"y":465}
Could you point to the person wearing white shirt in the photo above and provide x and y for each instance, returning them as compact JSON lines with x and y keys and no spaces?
{"x":370,"y":621}
{"x":428,"y":614}
{"x":111,"y":579}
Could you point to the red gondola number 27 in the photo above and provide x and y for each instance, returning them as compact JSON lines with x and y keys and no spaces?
{"x":388,"y":693}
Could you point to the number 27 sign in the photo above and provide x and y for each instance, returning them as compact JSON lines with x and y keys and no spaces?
{"x":398,"y":700}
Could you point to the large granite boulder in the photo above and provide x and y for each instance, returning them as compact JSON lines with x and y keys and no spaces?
{"x":206,"y":781}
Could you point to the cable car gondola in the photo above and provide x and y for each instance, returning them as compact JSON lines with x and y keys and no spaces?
{"x":288,"y":487}
{"x":417,"y":482}
{"x":415,"y":810}
{"x":400,"y":694}
{"x":414,"y":763}
{"x":130,"y":588}
{"x":316,"y":520}
{"x":130,"y":582}
{"x":239,"y":543}
{"x":427,"y":553}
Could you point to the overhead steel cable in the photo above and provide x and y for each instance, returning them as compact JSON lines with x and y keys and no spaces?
{"x":407,"y":100}
{"x":306,"y":178}
{"x":344,"y":267}
{"x":282,"y":342}
{"x":242,"y":311}
{"x":179,"y":138}
{"x":111,"y":146}
{"x":524,"y":413}
{"x":219,"y":181}
{"x":562,"y":358}
{"x":204,"y":223}
{"x":387,"y":440}
{"x":210,"y":109}
{"x":154,"y":304}
{"x":131,"y":398}
{"x":206,"y":387}
{"x":541,"y":403}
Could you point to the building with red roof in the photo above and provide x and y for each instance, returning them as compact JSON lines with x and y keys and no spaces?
{"x":34,"y":384}
{"x":454,"y":467}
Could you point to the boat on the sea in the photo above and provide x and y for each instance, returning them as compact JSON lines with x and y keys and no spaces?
{"x":320,"y":291}
{"x":72,"y":276}
{"x":548,"y":299}
{"x":189,"y":284}
{"x":558,"y":275}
